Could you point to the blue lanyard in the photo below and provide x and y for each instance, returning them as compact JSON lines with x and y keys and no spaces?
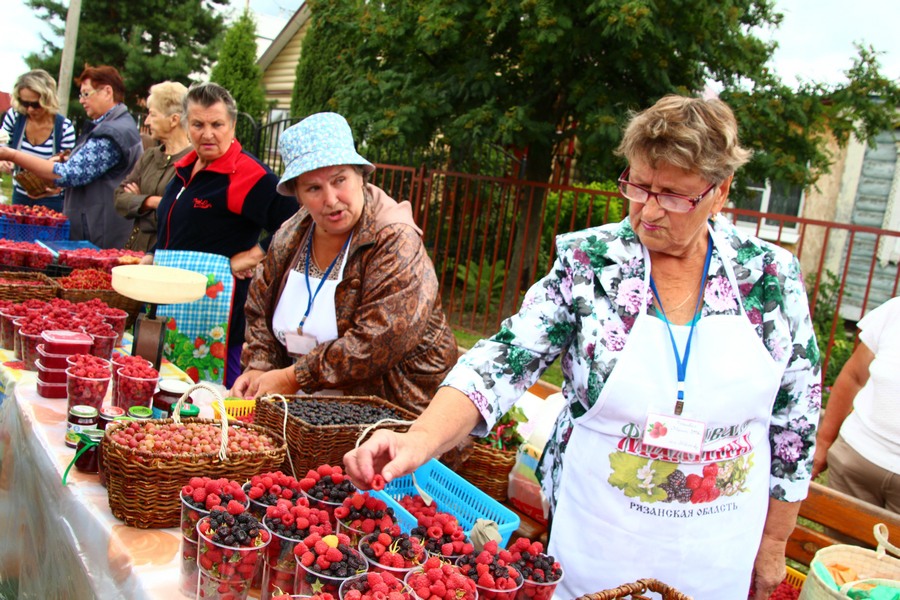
{"x":309,"y":293}
{"x":681,"y":363}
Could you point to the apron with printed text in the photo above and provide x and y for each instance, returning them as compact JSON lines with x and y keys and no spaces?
{"x":628,"y":511}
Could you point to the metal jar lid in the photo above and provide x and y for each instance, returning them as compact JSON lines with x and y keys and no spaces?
{"x":175,"y":387}
{"x":111,"y":412}
{"x":83,"y":411}
{"x":140,"y":412}
{"x":95,"y":435}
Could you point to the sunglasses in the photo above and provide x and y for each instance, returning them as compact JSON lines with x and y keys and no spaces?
{"x":26,"y":104}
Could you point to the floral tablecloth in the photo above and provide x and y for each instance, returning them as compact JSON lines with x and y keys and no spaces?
{"x":62,"y":541}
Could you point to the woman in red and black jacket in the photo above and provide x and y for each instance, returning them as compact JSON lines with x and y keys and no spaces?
{"x":221,"y":200}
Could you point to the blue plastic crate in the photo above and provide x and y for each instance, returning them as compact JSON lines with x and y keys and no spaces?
{"x":403,"y":516}
{"x":456,"y":496}
{"x":21,"y":232}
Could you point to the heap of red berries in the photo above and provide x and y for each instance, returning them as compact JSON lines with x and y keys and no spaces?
{"x":327,"y":483}
{"x":493,"y":574}
{"x":416,"y":506}
{"x":529,"y":559}
{"x":392,"y":549}
{"x":439,"y":580}
{"x":365,"y":513}
{"x":165,"y":439}
{"x":374,"y":586}
{"x":442,"y":534}
{"x":296,"y":519}
{"x":268,"y":488}
{"x":326,"y":561}
{"x":202,"y":495}
{"x":86,"y":279}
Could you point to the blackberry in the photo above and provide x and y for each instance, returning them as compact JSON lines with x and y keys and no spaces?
{"x":320,"y":412}
{"x":677,"y":477}
{"x":228,"y":530}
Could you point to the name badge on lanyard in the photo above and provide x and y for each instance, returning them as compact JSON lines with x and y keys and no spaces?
{"x":672,"y":431}
{"x":299,"y":344}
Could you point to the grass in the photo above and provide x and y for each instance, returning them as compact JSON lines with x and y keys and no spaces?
{"x":467,"y":339}
{"x":6,"y":187}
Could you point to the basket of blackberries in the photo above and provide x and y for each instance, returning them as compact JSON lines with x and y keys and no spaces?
{"x":147,"y":463}
{"x":321,"y":429}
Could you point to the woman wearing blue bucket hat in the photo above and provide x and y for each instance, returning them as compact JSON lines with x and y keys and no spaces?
{"x":347,"y":298}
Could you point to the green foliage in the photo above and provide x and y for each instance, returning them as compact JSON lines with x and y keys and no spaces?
{"x":483,"y":283}
{"x":236,"y":69}
{"x":148,"y":41}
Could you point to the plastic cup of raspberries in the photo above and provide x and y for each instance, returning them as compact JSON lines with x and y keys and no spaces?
{"x":87,"y":384}
{"x":442,"y":579}
{"x":393,"y":552}
{"x":116,"y":317}
{"x":443,"y":536}
{"x":374,"y":586}
{"x":289,"y":522}
{"x":136,"y":385}
{"x":494,"y":576}
{"x":324,"y":562}
{"x":326,"y":487}
{"x":104,"y":340}
{"x":541,"y":571}
{"x":230,"y":549}
{"x":123,"y":360}
{"x":361,"y":514}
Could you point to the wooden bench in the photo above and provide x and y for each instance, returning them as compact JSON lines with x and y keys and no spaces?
{"x":837,"y":512}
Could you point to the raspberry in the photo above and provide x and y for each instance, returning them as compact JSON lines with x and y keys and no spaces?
{"x":693,"y":481}
{"x":710,"y":470}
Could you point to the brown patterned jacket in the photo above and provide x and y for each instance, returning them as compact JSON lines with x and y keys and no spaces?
{"x":393,"y":341}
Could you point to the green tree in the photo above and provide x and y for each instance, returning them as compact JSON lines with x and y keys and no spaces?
{"x":236,"y":69}
{"x":532,"y":74}
{"x":148,"y":41}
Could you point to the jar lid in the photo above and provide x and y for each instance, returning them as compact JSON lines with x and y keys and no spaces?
{"x":140,"y":412}
{"x":95,"y":435}
{"x":111,"y":412}
{"x":174,"y":386}
{"x":189,"y":410}
{"x":84,"y":411}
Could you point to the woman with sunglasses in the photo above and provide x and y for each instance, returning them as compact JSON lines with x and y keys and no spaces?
{"x":35,"y":127}
{"x":692,"y":380}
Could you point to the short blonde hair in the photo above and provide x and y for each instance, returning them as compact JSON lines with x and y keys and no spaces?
{"x":167,"y":97}
{"x":692,"y":133}
{"x":41,"y":83}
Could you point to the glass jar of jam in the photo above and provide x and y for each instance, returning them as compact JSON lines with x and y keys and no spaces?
{"x":88,"y":462}
{"x":189,"y":411}
{"x":140,"y":413}
{"x":168,"y":394}
{"x":108,"y":414}
{"x":81,"y":418}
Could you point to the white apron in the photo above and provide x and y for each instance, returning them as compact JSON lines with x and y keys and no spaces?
{"x":613,"y":523}
{"x":322,"y":320}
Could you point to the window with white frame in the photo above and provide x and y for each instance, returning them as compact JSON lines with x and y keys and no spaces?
{"x":772,"y":198}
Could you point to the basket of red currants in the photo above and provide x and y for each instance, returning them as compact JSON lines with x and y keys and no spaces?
{"x":146,"y":463}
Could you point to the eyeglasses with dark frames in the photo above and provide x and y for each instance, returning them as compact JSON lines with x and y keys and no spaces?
{"x":26,"y":104}
{"x":667,"y":200}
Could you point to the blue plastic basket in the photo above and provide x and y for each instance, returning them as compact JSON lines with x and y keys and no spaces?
{"x":403,"y":516}
{"x":21,"y":232}
{"x":453,"y":495}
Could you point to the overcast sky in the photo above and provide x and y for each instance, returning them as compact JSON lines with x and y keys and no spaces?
{"x":815,"y":39}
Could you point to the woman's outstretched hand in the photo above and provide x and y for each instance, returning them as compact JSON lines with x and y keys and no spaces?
{"x":385,"y":456}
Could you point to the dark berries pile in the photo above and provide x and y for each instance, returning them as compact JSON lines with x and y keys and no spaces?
{"x":202,"y":495}
{"x":268,"y":488}
{"x":490,"y":572}
{"x":374,"y":586}
{"x":327,"y":483}
{"x":242,"y":530}
{"x":320,"y":412}
{"x":442,"y":534}
{"x":392,"y":549}
{"x":529,"y":559}
{"x":675,"y":488}
{"x":441,"y":580}
{"x":365,"y":513}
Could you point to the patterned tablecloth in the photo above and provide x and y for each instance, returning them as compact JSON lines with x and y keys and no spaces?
{"x":62,"y":541}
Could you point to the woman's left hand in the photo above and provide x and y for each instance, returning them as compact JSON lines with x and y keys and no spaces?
{"x":244,"y":263}
{"x":279,"y":381}
{"x":769,"y":569}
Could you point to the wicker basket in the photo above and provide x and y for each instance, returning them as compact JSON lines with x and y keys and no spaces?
{"x":313,"y":445}
{"x":488,"y":468}
{"x":33,"y":184}
{"x":144,"y":488}
{"x":46,"y":290}
{"x":636,"y":590}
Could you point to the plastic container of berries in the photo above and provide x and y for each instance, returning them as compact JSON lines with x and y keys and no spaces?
{"x":66,"y":342}
{"x":50,"y":360}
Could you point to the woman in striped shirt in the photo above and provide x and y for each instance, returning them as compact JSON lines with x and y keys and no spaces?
{"x":34,"y":126}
